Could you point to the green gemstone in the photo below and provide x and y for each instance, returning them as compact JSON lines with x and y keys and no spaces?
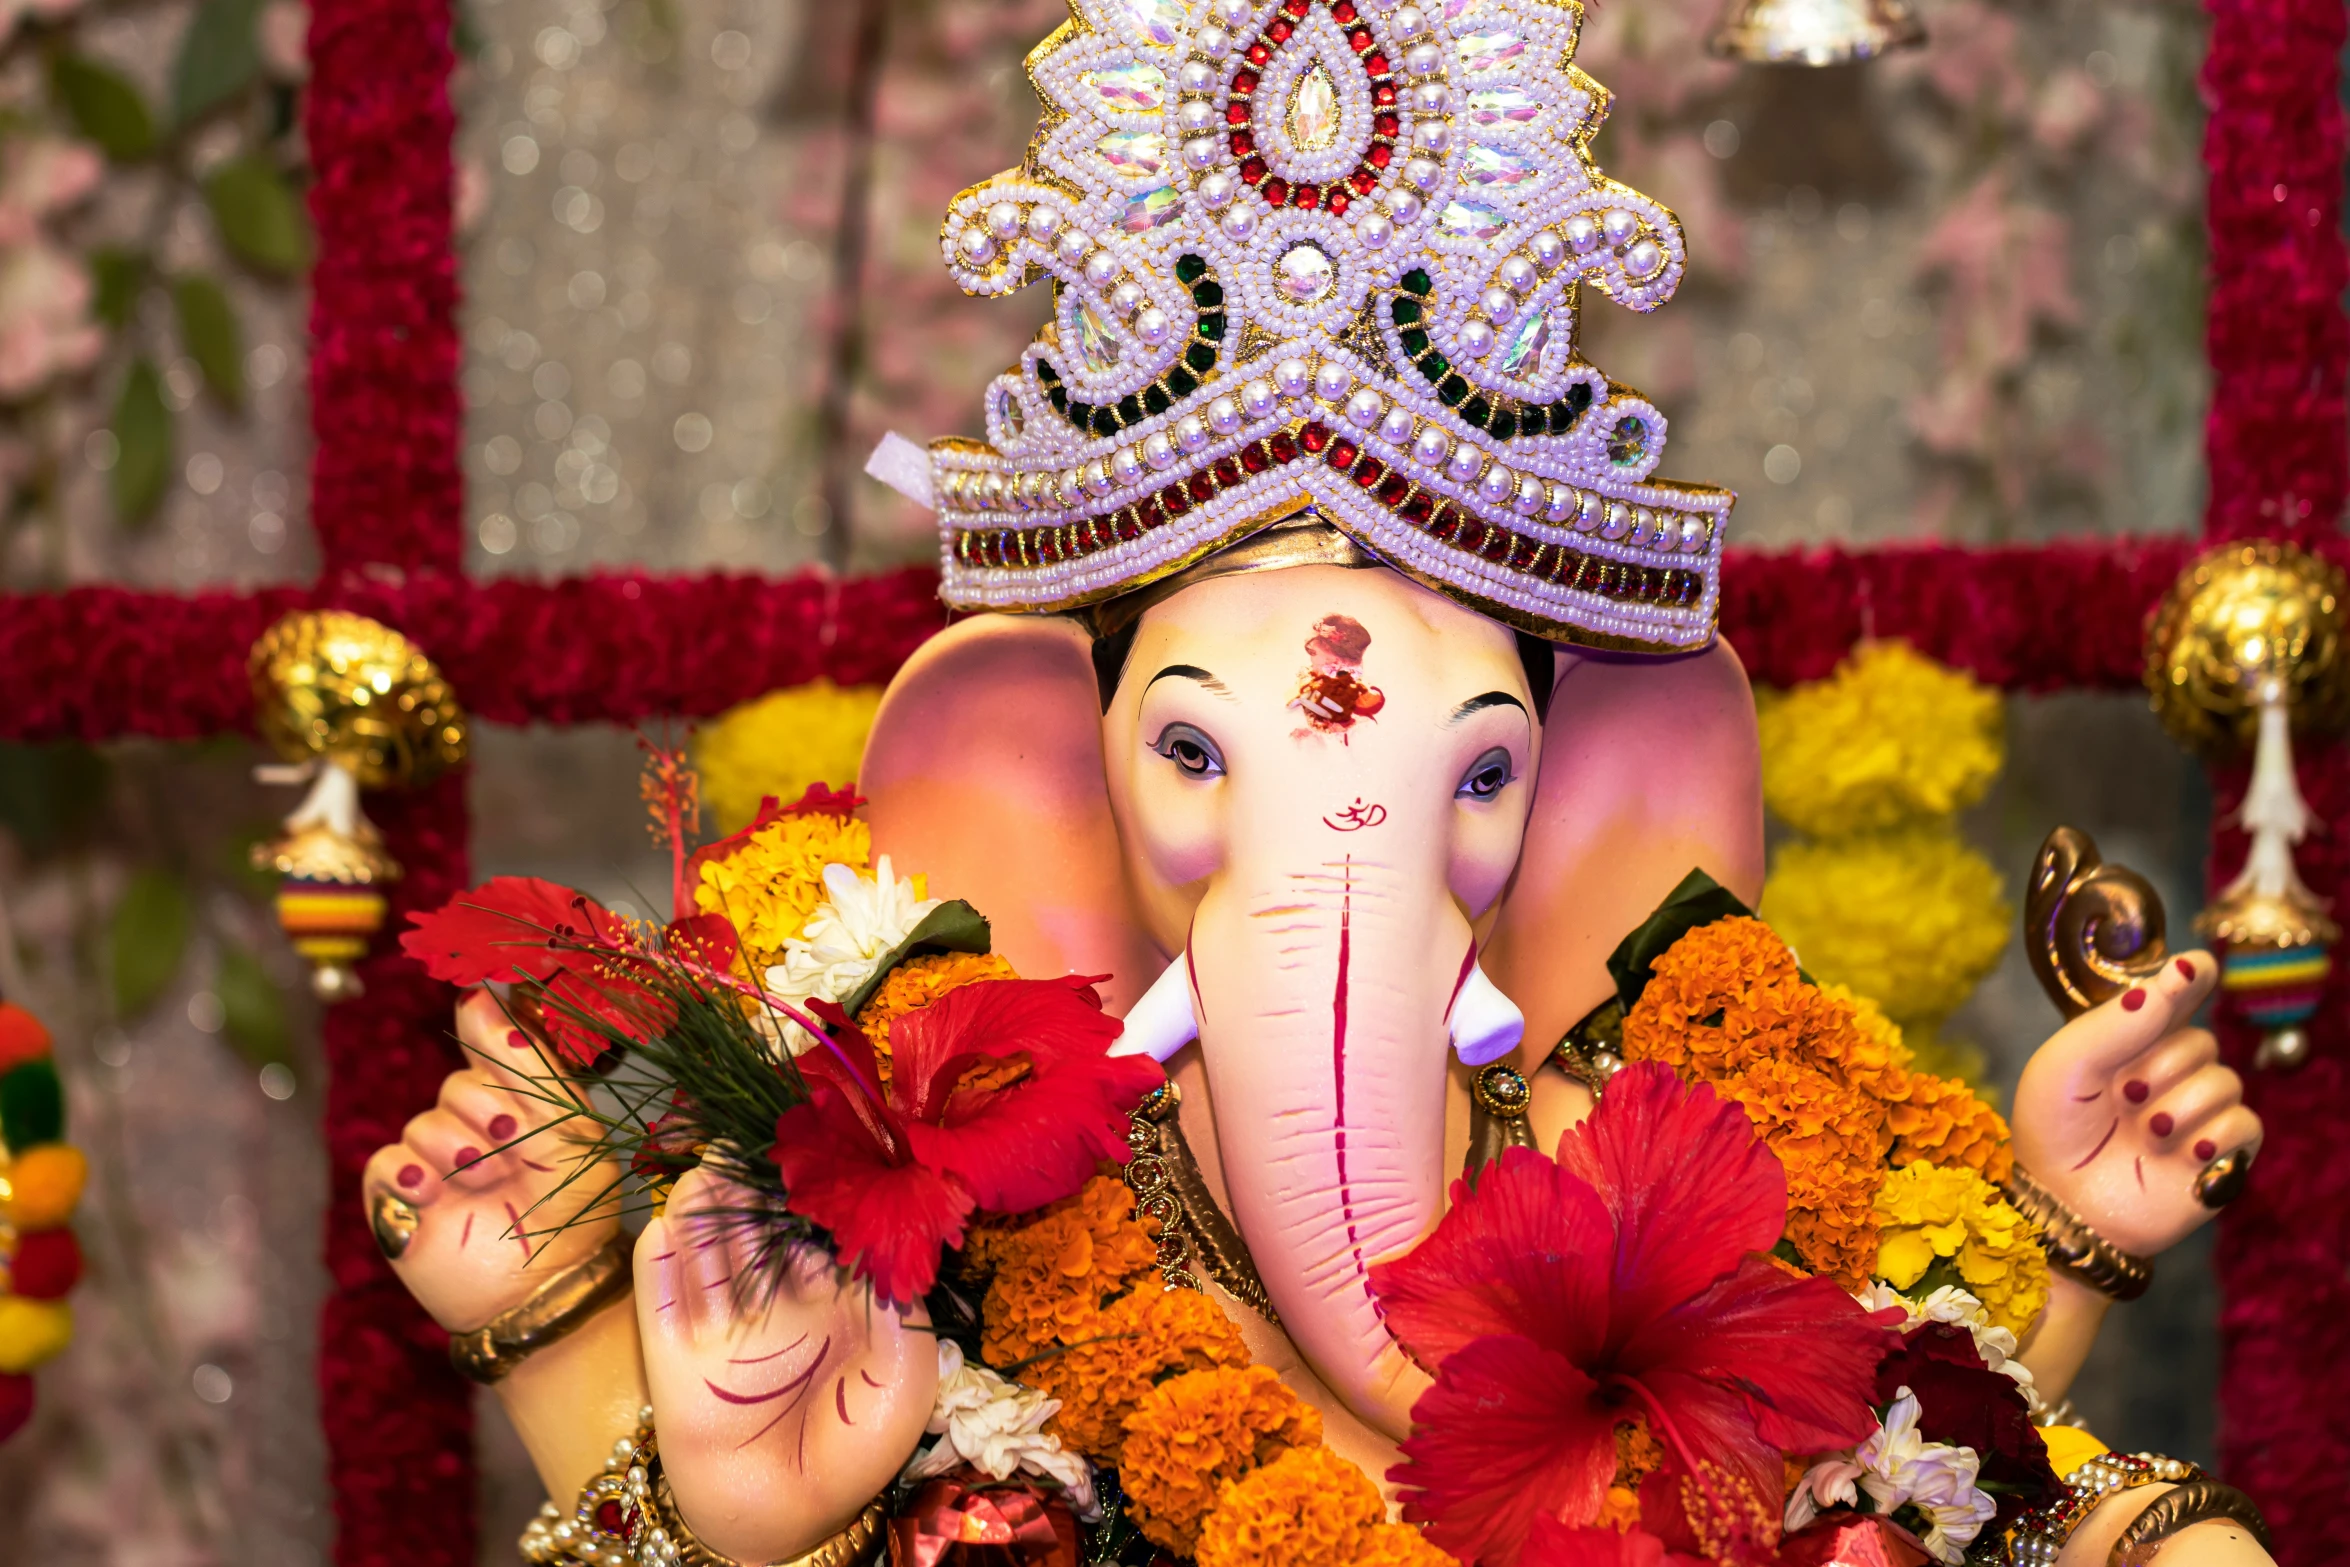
{"x":1579,"y":396}
{"x":1433,"y":365}
{"x":1200,"y":357}
{"x":1451,"y":390}
{"x":1182,"y":382}
{"x":1130,"y":408}
{"x":1207,"y":295}
{"x":1046,"y":373}
{"x":1105,"y":421}
{"x":1211,"y":326}
{"x":1081,"y":415}
{"x":1060,"y":398}
{"x":1477,"y":411}
{"x":1417,"y":282}
{"x":1406,"y":312}
{"x":1190,"y":268}
{"x":1562,"y":418}
{"x":1415,"y":341}
{"x":1155,"y":398}
{"x":1505,"y":422}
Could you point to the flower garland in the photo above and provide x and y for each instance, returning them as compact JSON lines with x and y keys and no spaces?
{"x":781,"y":743}
{"x":41,"y":1178}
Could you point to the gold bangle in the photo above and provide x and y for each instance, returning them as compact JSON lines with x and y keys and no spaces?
{"x":560,"y":1308}
{"x":662,"y":1538}
{"x":2040,"y":1535}
{"x":2073,"y":1246}
{"x":596,"y":1531}
{"x":2201,"y":1500}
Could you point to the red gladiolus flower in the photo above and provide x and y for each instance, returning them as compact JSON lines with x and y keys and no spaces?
{"x":1002,"y":1095}
{"x":1622,"y":1279}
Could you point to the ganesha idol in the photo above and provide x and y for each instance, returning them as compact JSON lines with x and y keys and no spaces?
{"x":1272,"y":1063}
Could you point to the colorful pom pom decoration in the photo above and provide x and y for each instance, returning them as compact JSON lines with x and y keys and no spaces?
{"x":41,"y":1178}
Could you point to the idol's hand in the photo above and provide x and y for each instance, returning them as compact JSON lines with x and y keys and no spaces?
{"x":2126,"y":1105}
{"x":476,"y":1184}
{"x":785,"y":1400}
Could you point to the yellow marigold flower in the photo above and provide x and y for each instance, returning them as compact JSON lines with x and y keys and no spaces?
{"x":1933,"y":1215}
{"x":1116,"y":1357}
{"x":1942,"y":1119}
{"x":770,"y":883}
{"x":1912,"y":917}
{"x":1307,"y":1508}
{"x":1890,"y":737}
{"x":1188,"y":1437}
{"x":1050,"y":1273}
{"x":779,"y":744}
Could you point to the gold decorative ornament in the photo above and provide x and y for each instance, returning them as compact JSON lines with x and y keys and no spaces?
{"x":2073,"y":1246}
{"x":1815,"y":32}
{"x":559,"y":1308}
{"x":394,"y":1222}
{"x":2245,"y":650}
{"x":660,"y":1536}
{"x":346,"y":703}
{"x":1194,"y":1231}
{"x":2092,"y":930}
{"x":2041,"y":1534}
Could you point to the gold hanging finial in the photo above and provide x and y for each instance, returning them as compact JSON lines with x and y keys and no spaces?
{"x":1815,"y":32}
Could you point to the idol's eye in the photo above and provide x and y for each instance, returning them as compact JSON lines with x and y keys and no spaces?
{"x":1193,"y":753}
{"x":1487,"y":776}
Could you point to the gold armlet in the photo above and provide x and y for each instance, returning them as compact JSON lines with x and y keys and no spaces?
{"x":2040,"y":1535}
{"x":560,"y":1308}
{"x":2076,"y":1248}
{"x":662,"y":1538}
{"x":2196,"y":1501}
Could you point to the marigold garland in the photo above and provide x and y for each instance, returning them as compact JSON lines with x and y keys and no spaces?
{"x":1120,"y":1354}
{"x":1051,"y":1272}
{"x":1932,"y":1215}
{"x":1913,"y":917}
{"x":1889,"y":738}
{"x":780,"y":743}
{"x":1189,"y":1436}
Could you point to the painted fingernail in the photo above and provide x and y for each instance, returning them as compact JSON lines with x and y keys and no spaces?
{"x":516,"y":1039}
{"x":2132,"y":1000}
{"x":412,"y":1176}
{"x":2186,"y":969}
{"x":466,"y":1156}
{"x":2135,"y":1090}
{"x":2206,"y":1149}
{"x":501,"y":1127}
{"x":2160,"y":1123}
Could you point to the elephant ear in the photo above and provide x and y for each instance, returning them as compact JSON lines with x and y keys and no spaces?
{"x":984,"y":773}
{"x":1648,"y":769}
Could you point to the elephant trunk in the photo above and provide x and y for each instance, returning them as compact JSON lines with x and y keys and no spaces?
{"x":1322,"y":993}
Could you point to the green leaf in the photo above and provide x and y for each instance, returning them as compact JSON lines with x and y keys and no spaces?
{"x":104,"y":106}
{"x":951,"y":927}
{"x":50,"y":794}
{"x":219,"y":57}
{"x":259,"y":219}
{"x":209,"y":332}
{"x":149,"y":939}
{"x":254,"y":1009}
{"x":1699,"y":900}
{"x":119,"y":275}
{"x":142,"y":424}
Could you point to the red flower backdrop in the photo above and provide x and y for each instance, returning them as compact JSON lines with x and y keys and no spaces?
{"x":98,"y":662}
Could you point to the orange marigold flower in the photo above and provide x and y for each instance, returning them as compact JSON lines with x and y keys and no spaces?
{"x":1943,"y":1120}
{"x":917,"y":982}
{"x":1112,"y":1361}
{"x":1400,"y":1545}
{"x":1307,"y":1508}
{"x":1050,"y":1272}
{"x":1188,"y":1437}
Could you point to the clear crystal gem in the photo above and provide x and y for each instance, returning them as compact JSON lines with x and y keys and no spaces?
{"x":1471,"y":220}
{"x":1009,"y":412}
{"x":1161,"y":21}
{"x":1313,"y":111}
{"x":1523,"y":355}
{"x":1151,"y":209}
{"x":1494,"y":166}
{"x":1134,"y":154}
{"x":1490,"y":49}
{"x":1128,"y":89}
{"x":1304,"y":274}
{"x":1503,"y":106}
{"x":1096,"y":347}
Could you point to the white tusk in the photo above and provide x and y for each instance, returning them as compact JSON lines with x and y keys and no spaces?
{"x":1486,"y":1025}
{"x":1162,"y":1022}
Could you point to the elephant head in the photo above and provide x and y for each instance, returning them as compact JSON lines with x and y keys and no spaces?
{"x":1328,"y":819}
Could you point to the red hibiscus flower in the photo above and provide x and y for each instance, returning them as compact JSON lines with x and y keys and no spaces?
{"x":1554,"y":1544}
{"x":1002,"y":1095}
{"x":1559,"y":1298}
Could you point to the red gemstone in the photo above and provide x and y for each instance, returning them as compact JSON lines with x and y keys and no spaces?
{"x":1380,"y":155}
{"x":1343,"y":453}
{"x":1255,"y":458}
{"x":1258,"y":54}
{"x":1276,"y":191}
{"x":1497,"y":544}
{"x":1283,"y":446}
{"x":1314,"y":437}
{"x":1369,"y":471}
{"x":1447,"y":525}
{"x":1374,"y":65}
{"x":1523,"y":551}
{"x":1227,"y":473}
{"x":1343,"y":13}
{"x":1048,"y":545}
{"x":1336,"y":202}
{"x":1297,"y":8}
{"x":1393,"y":490}
{"x":1236,"y":114}
{"x":1243,"y":143}
{"x":1364,"y":182}
{"x":1306,"y":197}
{"x":1244,"y":83}
{"x":1358,"y":38}
{"x":1202,"y":488}
{"x":1383,"y":94}
{"x":1416,"y":511}
{"x":1147,"y":512}
{"x":610,"y":1519}
{"x":1278,"y":30}
{"x":1562,"y":561}
{"x":1175,"y":499}
{"x":1386,"y":124}
{"x":1125,"y":527}
{"x":1472,"y":535}
{"x":1254,"y":171}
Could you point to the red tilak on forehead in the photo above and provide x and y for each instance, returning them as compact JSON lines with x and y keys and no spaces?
{"x":1333,"y":694}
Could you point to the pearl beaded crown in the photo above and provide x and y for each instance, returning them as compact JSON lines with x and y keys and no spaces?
{"x":1324,"y":254}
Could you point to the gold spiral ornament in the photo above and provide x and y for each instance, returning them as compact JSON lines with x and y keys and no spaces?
{"x":2092,"y":930}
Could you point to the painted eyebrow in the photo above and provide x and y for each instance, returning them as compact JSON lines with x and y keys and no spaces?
{"x":1478,"y":704}
{"x":1190,"y":672}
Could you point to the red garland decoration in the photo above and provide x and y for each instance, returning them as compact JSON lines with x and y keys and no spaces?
{"x":2279,"y":347}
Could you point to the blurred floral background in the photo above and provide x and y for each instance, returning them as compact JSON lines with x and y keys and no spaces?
{"x":1954,"y":293}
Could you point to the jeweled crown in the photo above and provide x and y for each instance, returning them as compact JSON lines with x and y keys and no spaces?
{"x":1325,"y":254}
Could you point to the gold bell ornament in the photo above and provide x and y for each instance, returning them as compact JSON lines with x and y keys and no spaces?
{"x":2245,"y":650}
{"x":1815,"y":32}
{"x":347,"y":703}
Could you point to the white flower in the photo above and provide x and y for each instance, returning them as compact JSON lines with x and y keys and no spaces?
{"x":849,"y":932}
{"x":1826,"y":1484}
{"x":997,"y":1427}
{"x":1902,"y":1468}
{"x":1954,"y":1306}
